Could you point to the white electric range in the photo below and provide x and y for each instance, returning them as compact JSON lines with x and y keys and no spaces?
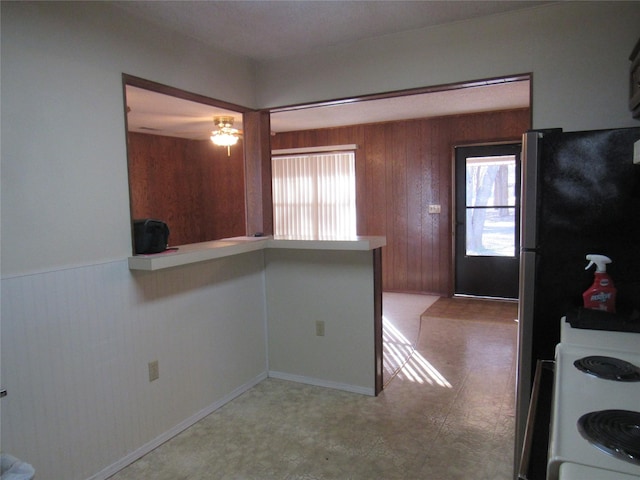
{"x":579,"y":394}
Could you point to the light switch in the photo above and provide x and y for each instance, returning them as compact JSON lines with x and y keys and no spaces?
{"x":434,"y":208}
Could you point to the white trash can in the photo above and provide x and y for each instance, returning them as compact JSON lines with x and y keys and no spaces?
{"x":13,"y":469}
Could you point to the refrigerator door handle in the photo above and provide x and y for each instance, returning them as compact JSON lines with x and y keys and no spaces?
{"x":529,"y":189}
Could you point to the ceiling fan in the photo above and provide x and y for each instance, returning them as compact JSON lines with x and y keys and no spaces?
{"x":156,"y":113}
{"x":225,"y":135}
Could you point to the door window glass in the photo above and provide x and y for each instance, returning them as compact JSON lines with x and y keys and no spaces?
{"x":491,"y":206}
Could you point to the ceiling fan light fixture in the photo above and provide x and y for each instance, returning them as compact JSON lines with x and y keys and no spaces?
{"x":224,"y":139}
{"x":225,"y":135}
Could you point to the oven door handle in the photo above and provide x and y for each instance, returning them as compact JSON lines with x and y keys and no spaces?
{"x":531,"y":418}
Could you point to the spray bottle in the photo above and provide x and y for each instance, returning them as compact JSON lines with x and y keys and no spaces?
{"x":602,"y":294}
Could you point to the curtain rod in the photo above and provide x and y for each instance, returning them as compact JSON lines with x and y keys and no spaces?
{"x":326,"y":148}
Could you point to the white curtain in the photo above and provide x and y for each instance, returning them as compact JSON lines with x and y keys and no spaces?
{"x":314,"y":196}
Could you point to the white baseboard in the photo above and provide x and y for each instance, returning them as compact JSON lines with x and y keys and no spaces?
{"x":156,"y":442}
{"x":322,"y":383}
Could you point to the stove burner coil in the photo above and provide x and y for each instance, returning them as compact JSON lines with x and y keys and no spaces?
{"x":616,"y":432}
{"x":609,"y":368}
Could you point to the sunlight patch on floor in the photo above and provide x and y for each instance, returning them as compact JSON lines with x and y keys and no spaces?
{"x":411,"y":364}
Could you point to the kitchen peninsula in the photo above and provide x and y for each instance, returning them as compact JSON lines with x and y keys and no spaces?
{"x":323,"y":311}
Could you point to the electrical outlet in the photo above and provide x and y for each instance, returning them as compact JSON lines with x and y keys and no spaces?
{"x":154,"y":371}
{"x":320,"y":328}
{"x":434,"y":208}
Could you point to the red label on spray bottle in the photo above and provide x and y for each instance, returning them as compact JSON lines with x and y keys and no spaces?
{"x":601,"y":295}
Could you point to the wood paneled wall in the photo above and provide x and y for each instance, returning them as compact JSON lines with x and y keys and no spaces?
{"x":190,"y":184}
{"x":257,"y":168}
{"x":402,"y":168}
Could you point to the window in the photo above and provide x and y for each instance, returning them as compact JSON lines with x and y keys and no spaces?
{"x":491,"y":205}
{"x":314,"y":195}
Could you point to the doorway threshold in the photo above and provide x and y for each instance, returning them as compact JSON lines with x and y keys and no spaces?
{"x":489,"y":299}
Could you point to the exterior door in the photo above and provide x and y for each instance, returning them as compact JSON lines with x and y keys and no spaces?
{"x":487,"y":180}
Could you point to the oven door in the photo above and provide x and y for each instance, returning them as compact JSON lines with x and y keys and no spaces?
{"x":533,"y":458}
{"x":572,"y":471}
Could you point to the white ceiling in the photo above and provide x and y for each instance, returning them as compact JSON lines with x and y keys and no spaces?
{"x":501,"y":96}
{"x":155,"y":113}
{"x":159,"y":114}
{"x":269,"y":29}
{"x":265,"y":30}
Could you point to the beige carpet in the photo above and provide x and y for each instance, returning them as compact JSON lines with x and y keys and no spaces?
{"x":472,"y":309}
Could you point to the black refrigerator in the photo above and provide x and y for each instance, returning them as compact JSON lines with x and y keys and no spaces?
{"x":580,"y":195}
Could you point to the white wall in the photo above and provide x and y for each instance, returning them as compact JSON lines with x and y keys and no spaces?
{"x":577,"y":51}
{"x":78,"y":328}
{"x":341,"y":283}
{"x":65,"y":194}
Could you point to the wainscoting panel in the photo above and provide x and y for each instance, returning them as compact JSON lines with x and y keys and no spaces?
{"x":76,"y":344}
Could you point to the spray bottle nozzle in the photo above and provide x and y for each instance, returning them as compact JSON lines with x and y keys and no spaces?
{"x":600,"y":262}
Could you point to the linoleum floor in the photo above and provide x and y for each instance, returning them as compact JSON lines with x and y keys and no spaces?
{"x":447,"y":414}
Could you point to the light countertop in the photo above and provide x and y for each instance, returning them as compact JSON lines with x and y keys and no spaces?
{"x":200,"y":252}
